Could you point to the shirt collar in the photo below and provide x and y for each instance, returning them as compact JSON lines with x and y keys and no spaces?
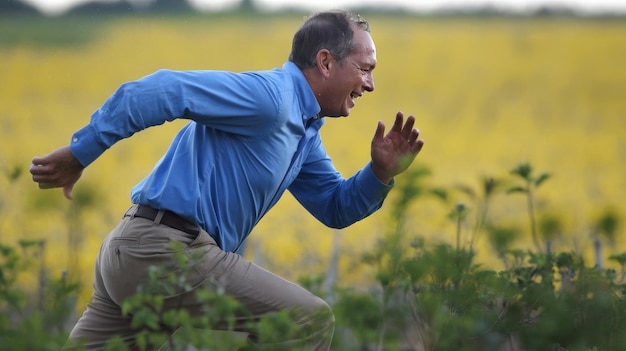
{"x":308,"y":103}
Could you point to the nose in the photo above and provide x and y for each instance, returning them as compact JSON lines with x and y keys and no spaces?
{"x":369,"y":82}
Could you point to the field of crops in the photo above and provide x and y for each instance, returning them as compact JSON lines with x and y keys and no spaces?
{"x":488,"y":94}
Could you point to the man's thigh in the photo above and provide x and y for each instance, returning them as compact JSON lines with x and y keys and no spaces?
{"x":258,"y":290}
{"x":195,"y":263}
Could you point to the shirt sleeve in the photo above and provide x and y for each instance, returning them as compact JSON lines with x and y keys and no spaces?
{"x":333,"y":200}
{"x":238,"y":103}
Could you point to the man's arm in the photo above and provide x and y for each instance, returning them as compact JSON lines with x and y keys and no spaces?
{"x":236,"y":103}
{"x":131,"y":108}
{"x":339,"y":202}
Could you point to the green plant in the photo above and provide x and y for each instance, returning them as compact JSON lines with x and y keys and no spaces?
{"x":174,"y":326}
{"x":428,"y":295}
{"x":435,"y":296}
{"x":482,"y":201}
{"x":531,"y":183}
{"x":32,"y":320}
{"x":213,"y":328}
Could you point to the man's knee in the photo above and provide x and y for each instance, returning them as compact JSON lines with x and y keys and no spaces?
{"x":321,"y":326}
{"x":320,"y":314}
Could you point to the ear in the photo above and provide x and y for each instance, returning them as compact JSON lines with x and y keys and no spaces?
{"x":324,"y":60}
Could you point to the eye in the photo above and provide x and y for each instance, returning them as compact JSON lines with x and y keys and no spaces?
{"x":363,"y":70}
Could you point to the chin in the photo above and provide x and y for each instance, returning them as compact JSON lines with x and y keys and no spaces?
{"x":345,"y":113}
{"x":340,"y":113}
{"x":336,"y":115}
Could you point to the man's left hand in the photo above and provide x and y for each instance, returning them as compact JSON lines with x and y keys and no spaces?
{"x":393,"y":153}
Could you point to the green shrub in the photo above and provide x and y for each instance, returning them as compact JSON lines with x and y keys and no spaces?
{"x":426,"y":296}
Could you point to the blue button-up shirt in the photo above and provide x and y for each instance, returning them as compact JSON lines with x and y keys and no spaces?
{"x":252,"y":136}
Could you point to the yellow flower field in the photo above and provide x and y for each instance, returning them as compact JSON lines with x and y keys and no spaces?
{"x":487,"y":94}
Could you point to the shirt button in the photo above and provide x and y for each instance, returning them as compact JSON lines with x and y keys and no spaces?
{"x":75,"y":140}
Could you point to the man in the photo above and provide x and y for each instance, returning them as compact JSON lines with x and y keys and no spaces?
{"x":251,"y":136}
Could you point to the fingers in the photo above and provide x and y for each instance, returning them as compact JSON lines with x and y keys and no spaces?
{"x":407,"y":130}
{"x":413,"y":135}
{"x":40,"y":167}
{"x":397,"y":124}
{"x":67,"y":191}
{"x":380,"y":131}
{"x":39,"y":161}
{"x":38,"y":170}
{"x":43,"y":173}
{"x":39,"y":175}
{"x":36,"y":163}
{"x":417,"y":146}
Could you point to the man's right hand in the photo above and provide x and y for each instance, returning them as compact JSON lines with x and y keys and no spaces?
{"x":59,"y":169}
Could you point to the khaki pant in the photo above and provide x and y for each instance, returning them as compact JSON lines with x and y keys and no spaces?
{"x":138,"y":243}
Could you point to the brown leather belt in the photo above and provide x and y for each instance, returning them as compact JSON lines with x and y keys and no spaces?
{"x":169,"y":218}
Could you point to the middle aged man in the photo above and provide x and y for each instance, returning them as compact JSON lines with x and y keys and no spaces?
{"x":251,"y":137}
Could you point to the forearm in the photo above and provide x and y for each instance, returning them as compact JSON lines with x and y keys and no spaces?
{"x":342,"y":202}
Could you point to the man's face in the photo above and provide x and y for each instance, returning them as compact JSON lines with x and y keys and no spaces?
{"x":351,"y":78}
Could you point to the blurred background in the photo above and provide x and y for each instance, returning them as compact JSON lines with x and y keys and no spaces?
{"x":493,"y":85}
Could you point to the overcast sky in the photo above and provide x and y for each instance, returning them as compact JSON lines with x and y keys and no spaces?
{"x":613,"y":6}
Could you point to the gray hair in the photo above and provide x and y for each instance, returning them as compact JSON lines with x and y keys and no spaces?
{"x":331,"y":30}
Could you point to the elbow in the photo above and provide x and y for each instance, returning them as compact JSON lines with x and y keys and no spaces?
{"x":337,"y":225}
{"x":338,"y":221}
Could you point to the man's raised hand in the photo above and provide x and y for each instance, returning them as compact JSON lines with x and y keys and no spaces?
{"x":393,"y":153}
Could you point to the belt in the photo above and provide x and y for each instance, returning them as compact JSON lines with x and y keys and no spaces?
{"x":169,"y":218}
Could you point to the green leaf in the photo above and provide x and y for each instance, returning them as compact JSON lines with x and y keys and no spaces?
{"x":523,"y":170}
{"x":145,"y":318}
{"x":621,"y":258}
{"x":489,"y":186}
{"x":517,"y":189}
{"x":564,"y":260}
{"x":439,"y":193}
{"x":542,"y":178}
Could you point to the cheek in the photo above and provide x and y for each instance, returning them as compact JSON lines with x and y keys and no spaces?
{"x":339,"y":93}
